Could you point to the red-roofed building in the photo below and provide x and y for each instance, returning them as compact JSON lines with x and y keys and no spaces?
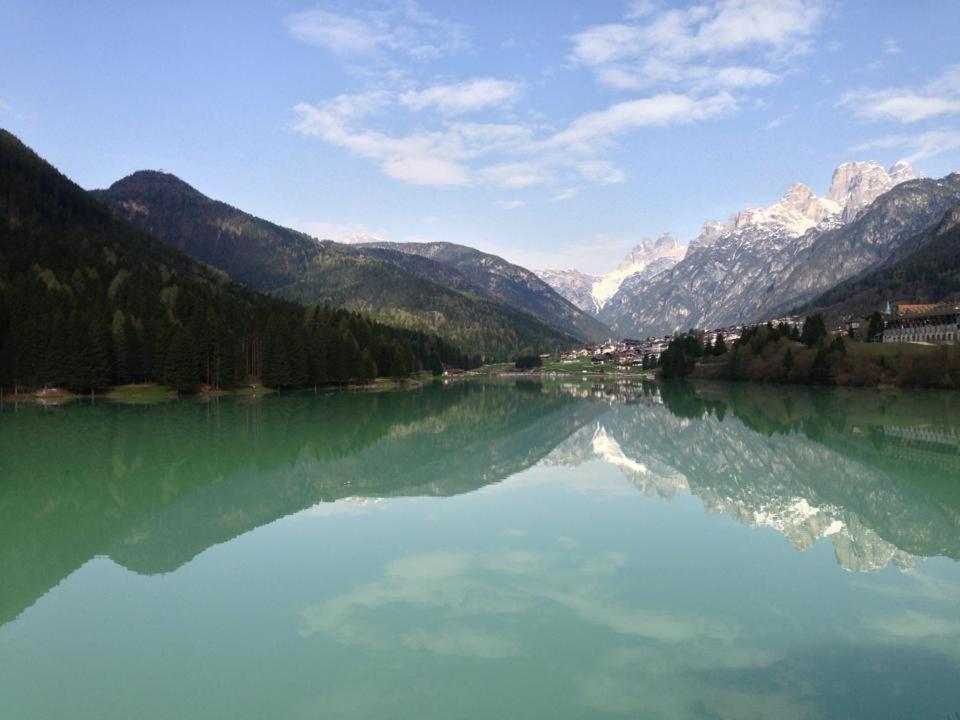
{"x":924,"y":323}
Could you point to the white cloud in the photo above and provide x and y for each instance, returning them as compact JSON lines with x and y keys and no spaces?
{"x":937,"y":97}
{"x":918,"y":147}
{"x":640,"y":8}
{"x":440,"y":151}
{"x":656,"y":71}
{"x":423,"y":158}
{"x":517,"y":175}
{"x":891,"y":46}
{"x":511,"y":204}
{"x":692,"y":47}
{"x":510,"y":155}
{"x":336,"y":33}
{"x":777,"y":121}
{"x":463,"y":97}
{"x":405,"y":29}
{"x":601,"y":172}
{"x":591,"y":129}
{"x":564,"y":195}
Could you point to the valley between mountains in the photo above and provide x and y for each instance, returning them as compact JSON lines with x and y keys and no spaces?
{"x":158,"y":291}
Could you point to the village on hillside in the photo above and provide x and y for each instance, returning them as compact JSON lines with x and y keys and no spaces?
{"x":929,"y":324}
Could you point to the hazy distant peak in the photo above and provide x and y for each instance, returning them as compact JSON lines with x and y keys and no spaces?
{"x":361,"y":239}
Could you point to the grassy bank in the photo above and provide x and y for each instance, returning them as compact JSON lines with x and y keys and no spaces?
{"x":840,"y":362}
{"x":151,"y":393}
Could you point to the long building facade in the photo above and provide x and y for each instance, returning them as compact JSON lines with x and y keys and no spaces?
{"x":937,"y":324}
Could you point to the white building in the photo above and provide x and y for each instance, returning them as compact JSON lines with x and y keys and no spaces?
{"x":937,"y":324}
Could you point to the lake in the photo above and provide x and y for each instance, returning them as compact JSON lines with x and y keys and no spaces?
{"x":484,"y":550}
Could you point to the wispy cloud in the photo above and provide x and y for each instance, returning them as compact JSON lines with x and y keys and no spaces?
{"x":695,"y":54}
{"x":511,"y":155}
{"x":464,"y":97}
{"x":511,"y":204}
{"x":940,"y":96}
{"x":564,"y":195}
{"x":597,"y":128}
{"x":777,"y":121}
{"x":698,"y":47}
{"x":891,"y":46}
{"x":917,"y":147}
{"x":404,"y":29}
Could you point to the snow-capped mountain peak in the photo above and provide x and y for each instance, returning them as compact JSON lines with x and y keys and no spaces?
{"x":591,"y":292}
{"x":857,"y":184}
{"x":648,"y":257}
{"x":763,"y":238}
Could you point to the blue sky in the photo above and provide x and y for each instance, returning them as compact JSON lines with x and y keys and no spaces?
{"x":554,"y":133}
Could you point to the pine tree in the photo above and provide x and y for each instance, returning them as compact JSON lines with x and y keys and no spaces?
{"x":118,"y":331}
{"x":94,"y":370}
{"x":368,"y":369}
{"x":813,"y":331}
{"x":276,"y":362}
{"x":180,"y":369}
{"x":875,"y":327}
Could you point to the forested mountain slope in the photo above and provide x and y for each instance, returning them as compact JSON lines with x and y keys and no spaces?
{"x":429,"y":295}
{"x":509,"y":283}
{"x":925,"y":270}
{"x":88,"y":300}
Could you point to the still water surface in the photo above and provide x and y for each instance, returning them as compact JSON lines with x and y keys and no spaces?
{"x":484,"y":550}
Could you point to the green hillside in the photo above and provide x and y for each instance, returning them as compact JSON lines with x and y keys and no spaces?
{"x":88,"y":300}
{"x":416,"y":293}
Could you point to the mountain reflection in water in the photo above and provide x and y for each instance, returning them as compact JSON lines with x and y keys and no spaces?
{"x":877,"y":474}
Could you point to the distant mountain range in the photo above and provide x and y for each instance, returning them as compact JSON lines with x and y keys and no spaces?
{"x":499,"y":280}
{"x":476,"y":300}
{"x":768,"y":261}
{"x":591,"y":293}
{"x":873,"y":236}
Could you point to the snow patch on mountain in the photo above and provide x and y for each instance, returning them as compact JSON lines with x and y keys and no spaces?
{"x":592,"y":292}
{"x":761,"y":260}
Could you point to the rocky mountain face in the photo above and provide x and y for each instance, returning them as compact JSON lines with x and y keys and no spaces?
{"x":575,"y":286}
{"x":592,"y":292}
{"x":505,"y":282}
{"x":477,"y":301}
{"x":925,"y":268}
{"x":767,"y":261}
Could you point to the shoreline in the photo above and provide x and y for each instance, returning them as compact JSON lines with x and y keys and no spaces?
{"x":154,"y":393}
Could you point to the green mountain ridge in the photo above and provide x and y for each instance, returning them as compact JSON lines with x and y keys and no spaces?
{"x":428,"y":295}
{"x":89,"y":300}
{"x":506,"y":282}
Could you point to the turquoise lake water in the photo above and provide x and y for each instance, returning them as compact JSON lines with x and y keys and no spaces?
{"x":484,"y":550}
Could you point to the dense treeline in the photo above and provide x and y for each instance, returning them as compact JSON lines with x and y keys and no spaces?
{"x":812,"y":356}
{"x":88,"y":300}
{"x":680,"y":357}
